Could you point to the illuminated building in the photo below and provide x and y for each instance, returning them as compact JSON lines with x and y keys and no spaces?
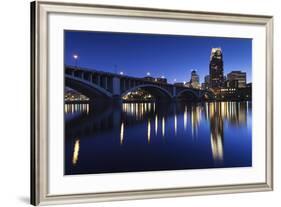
{"x":152,"y":79}
{"x":149,"y":78}
{"x":216,"y":68}
{"x":161,"y":80}
{"x":206,"y":83}
{"x":179,"y":84}
{"x":236,"y":79}
{"x":194,"y":81}
{"x":203,"y":86}
{"x":187,"y":84}
{"x":71,"y":95}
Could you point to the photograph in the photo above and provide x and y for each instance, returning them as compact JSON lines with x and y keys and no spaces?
{"x":138,"y":102}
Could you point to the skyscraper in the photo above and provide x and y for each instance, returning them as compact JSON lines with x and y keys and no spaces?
{"x":194,"y":81}
{"x":216,"y":68}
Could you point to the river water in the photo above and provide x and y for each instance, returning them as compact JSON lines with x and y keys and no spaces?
{"x":134,"y":137}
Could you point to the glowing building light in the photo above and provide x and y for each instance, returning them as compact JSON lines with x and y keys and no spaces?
{"x":75,"y":56}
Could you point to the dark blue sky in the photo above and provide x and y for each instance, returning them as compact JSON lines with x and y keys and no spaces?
{"x":171,"y":56}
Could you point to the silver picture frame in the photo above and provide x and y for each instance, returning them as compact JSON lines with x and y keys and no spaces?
{"x":39,"y":100}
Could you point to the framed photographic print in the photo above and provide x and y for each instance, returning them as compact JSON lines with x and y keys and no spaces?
{"x":133,"y":103}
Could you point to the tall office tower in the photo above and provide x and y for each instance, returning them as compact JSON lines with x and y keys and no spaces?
{"x":194,"y":81}
{"x":216,"y":68}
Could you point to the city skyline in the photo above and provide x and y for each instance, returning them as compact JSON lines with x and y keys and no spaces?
{"x":171,"y":56}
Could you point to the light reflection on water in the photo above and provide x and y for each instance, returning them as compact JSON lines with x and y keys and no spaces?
{"x":122,"y":133}
{"x":156,"y":124}
{"x":163,"y":126}
{"x":76,"y":152}
{"x":148,"y":131}
{"x":71,"y":108}
{"x":201,"y":135}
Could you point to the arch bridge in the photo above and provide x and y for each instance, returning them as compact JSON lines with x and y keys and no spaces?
{"x":111,"y":86}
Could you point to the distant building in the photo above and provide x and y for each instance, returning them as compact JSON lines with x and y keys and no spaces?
{"x":203,"y":86}
{"x":224,"y":81}
{"x":234,"y":93}
{"x":158,"y":80}
{"x":206,"y":83}
{"x":161,"y":80}
{"x":181,"y":84}
{"x":249,"y":85}
{"x":194,"y":81}
{"x":236,"y":79}
{"x":72,"y":95}
{"x":149,"y":78}
{"x":187,"y":84}
{"x":216,"y":68}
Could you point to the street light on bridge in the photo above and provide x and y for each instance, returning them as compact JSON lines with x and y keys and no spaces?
{"x":75,"y":57}
{"x":148,"y":73}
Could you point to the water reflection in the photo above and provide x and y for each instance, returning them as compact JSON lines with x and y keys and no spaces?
{"x":163,"y":126}
{"x":122,"y":133}
{"x":176,"y":124}
{"x":156,"y":124}
{"x":185,"y":118}
{"x":195,"y":119}
{"x":76,"y":107}
{"x":204,"y":127}
{"x":148,"y":131}
{"x":216,"y":125}
{"x":76,"y":152}
{"x":138,"y":109}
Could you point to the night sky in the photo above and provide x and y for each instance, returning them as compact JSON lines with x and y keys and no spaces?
{"x":171,"y":56}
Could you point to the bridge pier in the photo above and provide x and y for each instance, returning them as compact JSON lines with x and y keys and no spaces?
{"x":117,"y":99}
{"x":98,"y":80}
{"x":174,"y":91}
{"x":174,"y":99}
{"x":105,"y":83}
{"x":91,"y":78}
{"x":116,"y":86}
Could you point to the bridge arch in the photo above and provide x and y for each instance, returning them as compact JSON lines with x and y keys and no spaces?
{"x":207,"y":95}
{"x":188,"y":94}
{"x":160,"y":93}
{"x":87,"y":88}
